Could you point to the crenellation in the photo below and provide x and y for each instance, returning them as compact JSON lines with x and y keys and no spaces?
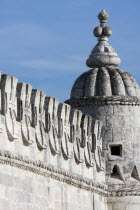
{"x":9,"y":104}
{"x":25,"y":113}
{"x":39,"y":122}
{"x":51,"y":105}
{"x":87,"y":140}
{"x":76,"y":134}
{"x":64,"y":130}
{"x":38,"y":108}
{"x":97,"y":130}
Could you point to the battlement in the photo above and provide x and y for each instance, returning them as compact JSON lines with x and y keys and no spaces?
{"x":40,"y":131}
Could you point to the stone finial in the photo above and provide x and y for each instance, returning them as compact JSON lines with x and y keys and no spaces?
{"x":103,"y":16}
{"x":103,"y":54}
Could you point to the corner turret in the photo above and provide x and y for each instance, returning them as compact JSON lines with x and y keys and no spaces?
{"x":111,"y":95}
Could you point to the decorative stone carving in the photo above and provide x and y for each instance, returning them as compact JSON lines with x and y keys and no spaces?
{"x":24,"y":114}
{"x":9,"y":105}
{"x":52,"y":123}
{"x":98,"y":144}
{"x":103,"y":54}
{"x":64,"y":130}
{"x":38,"y":118}
{"x":76,"y":135}
{"x":87,"y":142}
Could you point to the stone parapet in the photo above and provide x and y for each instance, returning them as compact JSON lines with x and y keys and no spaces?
{"x":40,"y":131}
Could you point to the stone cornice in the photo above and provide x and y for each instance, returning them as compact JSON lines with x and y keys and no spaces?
{"x":123,"y":193}
{"x":101,"y":100}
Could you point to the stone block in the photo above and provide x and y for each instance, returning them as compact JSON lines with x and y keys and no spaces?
{"x":118,"y":134}
{"x":133,"y":207}
{"x":119,"y":206}
{"x":107,"y":133}
{"x":113,"y":121}
{"x":4,"y":204}
{"x":109,"y":207}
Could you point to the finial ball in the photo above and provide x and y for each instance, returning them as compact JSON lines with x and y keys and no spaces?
{"x":107,"y":31}
{"x":103,"y":15}
{"x":97,"y":31}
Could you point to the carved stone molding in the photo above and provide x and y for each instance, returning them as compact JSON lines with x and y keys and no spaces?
{"x":42,"y":168}
{"x":104,"y":100}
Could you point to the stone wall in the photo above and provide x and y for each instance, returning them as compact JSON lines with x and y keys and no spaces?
{"x":124,"y":203}
{"x":25,"y":190}
{"x":50,"y":154}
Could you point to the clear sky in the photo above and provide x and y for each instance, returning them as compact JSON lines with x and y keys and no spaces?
{"x":46,"y":42}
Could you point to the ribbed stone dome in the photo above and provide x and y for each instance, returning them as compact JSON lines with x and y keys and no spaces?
{"x":105,"y":81}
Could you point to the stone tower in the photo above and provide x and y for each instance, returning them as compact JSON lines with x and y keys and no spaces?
{"x":111,"y":95}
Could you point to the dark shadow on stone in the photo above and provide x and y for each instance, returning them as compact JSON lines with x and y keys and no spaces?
{"x":116,"y":174}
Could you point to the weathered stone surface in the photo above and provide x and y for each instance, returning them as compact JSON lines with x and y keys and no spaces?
{"x":103,"y":81}
{"x":9,"y":105}
{"x":47,"y":150}
{"x":103,"y":54}
{"x":112,"y":95}
{"x":53,"y":156}
{"x":24,"y":112}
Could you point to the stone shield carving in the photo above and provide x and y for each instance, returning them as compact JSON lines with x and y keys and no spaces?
{"x":52,"y":124}
{"x":64,"y":130}
{"x":24,"y":112}
{"x":9,"y":105}
{"x":98,"y":144}
{"x":38,"y":118}
{"x":87,"y":142}
{"x":76,"y":135}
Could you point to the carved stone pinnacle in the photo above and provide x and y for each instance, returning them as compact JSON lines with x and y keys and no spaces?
{"x":103,"y":54}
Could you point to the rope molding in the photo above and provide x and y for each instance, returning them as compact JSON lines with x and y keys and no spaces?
{"x":41,"y":168}
{"x":100,"y":100}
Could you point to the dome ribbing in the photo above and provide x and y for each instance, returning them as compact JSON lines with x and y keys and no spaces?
{"x":105,"y":81}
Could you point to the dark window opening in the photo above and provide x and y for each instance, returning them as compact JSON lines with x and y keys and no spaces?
{"x":116,"y":150}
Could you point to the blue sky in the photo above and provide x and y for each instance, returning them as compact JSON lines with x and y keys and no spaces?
{"x":46,"y":42}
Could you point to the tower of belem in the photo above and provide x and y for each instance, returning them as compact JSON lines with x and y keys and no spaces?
{"x":77,"y":155}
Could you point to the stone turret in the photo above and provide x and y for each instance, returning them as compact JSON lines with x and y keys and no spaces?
{"x":111,"y":95}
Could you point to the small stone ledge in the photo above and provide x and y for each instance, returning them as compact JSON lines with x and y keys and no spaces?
{"x":41,"y":168}
{"x":124,"y":190}
{"x":104,"y":100}
{"x":124,"y":193}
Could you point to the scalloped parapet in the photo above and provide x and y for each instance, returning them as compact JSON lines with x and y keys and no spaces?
{"x":36,"y":127}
